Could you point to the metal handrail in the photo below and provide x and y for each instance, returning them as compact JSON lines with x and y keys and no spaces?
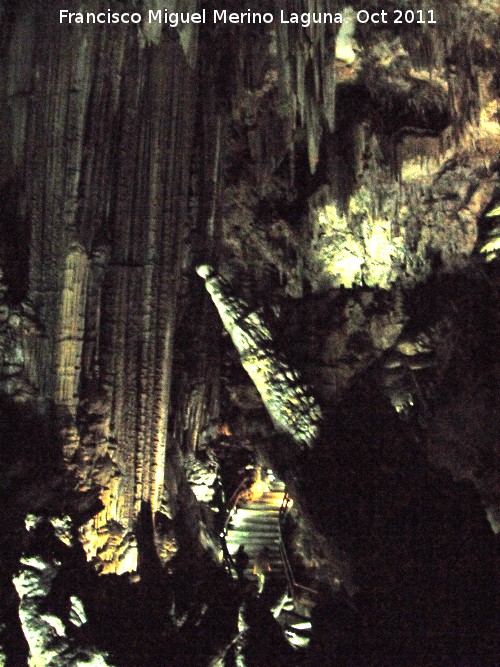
{"x":241,"y":488}
{"x":228,"y":509}
{"x":293,"y":585}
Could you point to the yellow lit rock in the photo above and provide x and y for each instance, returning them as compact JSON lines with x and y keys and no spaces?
{"x":356,"y":248}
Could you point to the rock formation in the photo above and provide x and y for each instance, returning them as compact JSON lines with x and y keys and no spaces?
{"x":45,"y":632}
{"x":291,"y":406}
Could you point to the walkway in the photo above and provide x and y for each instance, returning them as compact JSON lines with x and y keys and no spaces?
{"x":255,"y":524}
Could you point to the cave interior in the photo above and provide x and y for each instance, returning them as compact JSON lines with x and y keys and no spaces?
{"x":249,"y":336}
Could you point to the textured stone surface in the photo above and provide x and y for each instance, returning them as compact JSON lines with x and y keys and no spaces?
{"x":103,"y":290}
{"x":289,"y":402}
{"x":115,"y":201}
{"x":45,"y":632}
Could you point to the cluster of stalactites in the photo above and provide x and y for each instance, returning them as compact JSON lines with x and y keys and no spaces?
{"x":306,"y":63}
{"x":288,"y":400}
{"x":188,"y":31}
{"x":305,"y":59}
{"x":299,"y":57}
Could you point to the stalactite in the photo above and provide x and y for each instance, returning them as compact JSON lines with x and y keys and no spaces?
{"x":307,"y":73}
{"x":303,"y":59}
{"x":290,"y":403}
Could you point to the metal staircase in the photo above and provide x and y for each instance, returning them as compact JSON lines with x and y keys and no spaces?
{"x":255,"y":523}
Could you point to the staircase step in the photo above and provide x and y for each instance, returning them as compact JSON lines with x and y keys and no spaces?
{"x":258,"y":507}
{"x":273,"y":541}
{"x":256,"y":530}
{"x":256,"y":517}
{"x":243,"y":522}
{"x":243,"y":537}
{"x":253,"y":524}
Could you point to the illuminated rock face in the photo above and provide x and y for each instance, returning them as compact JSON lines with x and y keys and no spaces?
{"x":290,"y":403}
{"x":491,"y":248}
{"x":45,"y":633}
{"x":371,"y":256}
{"x":201,"y":477}
{"x":112,"y":183}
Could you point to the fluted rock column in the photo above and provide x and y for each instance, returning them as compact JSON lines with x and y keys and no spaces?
{"x":101,"y":129}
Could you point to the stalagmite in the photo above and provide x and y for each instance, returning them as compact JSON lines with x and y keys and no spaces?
{"x":72,"y":322}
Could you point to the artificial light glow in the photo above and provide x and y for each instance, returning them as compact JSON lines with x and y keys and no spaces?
{"x":257,"y":490}
{"x":357,"y":248}
{"x":224,"y":429}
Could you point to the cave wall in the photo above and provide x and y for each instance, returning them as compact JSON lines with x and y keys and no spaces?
{"x":98,"y":141}
{"x":111,"y":169}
